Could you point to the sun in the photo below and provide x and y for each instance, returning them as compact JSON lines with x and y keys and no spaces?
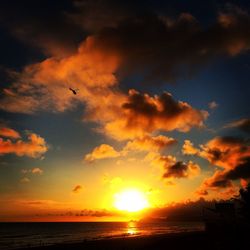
{"x":131,"y":200}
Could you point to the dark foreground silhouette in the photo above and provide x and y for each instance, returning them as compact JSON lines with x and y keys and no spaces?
{"x":191,"y":240}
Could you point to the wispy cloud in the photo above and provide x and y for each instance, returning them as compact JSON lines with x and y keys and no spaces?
{"x":242,"y":124}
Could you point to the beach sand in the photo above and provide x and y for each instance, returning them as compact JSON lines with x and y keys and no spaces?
{"x":190,"y":240}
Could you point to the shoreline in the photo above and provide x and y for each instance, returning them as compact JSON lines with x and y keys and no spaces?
{"x":184,"y":240}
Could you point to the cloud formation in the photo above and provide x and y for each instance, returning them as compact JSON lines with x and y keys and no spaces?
{"x":35,"y":147}
{"x":25,"y":180}
{"x":159,"y":46}
{"x":189,"y":149}
{"x":142,"y":144}
{"x":141,"y":114}
{"x":173,"y":169}
{"x":77,"y":189}
{"x":213,"y":105}
{"x":9,"y":133}
{"x":34,"y":171}
{"x":242,"y":124}
{"x":37,"y":171}
{"x":45,"y":85}
{"x":155,"y":45}
{"x":149,"y":143}
{"x":101,"y":152}
{"x":51,"y":32}
{"x":231,"y":154}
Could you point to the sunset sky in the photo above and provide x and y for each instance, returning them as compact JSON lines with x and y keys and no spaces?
{"x":161,"y":110}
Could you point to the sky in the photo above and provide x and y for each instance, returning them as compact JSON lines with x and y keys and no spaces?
{"x":161,"y":106}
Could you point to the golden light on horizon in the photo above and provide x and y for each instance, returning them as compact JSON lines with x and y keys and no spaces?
{"x":131,"y":200}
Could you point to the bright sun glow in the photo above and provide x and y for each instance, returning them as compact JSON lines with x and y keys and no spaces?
{"x":131,"y":200}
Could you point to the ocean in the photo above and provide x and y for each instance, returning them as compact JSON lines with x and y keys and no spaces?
{"x":20,"y":235}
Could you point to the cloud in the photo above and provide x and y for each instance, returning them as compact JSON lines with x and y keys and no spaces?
{"x":181,"y":170}
{"x":242,"y":124}
{"x":159,"y":46}
{"x":225,"y":152}
{"x":96,"y":213}
{"x":9,"y":133}
{"x":173,"y":169}
{"x":152,"y":44}
{"x":25,"y":180}
{"x":147,"y":41}
{"x":231,"y":154}
{"x":149,"y":143}
{"x":219,"y":183}
{"x":142,"y":144}
{"x":45,"y":85}
{"x":85,"y":213}
{"x":35,"y":147}
{"x":213,"y":105}
{"x":77,"y":189}
{"x":94,"y":16}
{"x":34,"y":171}
{"x":189,"y":149}
{"x":52,"y":32}
{"x":38,"y":171}
{"x":101,"y":152}
{"x":142,"y":114}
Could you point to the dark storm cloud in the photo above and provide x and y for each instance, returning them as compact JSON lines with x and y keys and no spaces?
{"x":148,"y":40}
{"x":94,"y":16}
{"x":42,"y":24}
{"x":160,"y":47}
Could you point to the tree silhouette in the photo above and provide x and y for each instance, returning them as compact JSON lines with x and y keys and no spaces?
{"x":245,"y":202}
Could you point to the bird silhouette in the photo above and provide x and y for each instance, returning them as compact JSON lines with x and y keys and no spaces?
{"x":74,"y":91}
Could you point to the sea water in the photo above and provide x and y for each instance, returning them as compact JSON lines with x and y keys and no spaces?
{"x":20,"y":235}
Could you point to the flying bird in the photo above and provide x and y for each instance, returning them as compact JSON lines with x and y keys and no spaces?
{"x":74,"y":91}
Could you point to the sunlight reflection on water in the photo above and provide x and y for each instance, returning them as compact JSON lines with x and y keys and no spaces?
{"x":132,"y":229}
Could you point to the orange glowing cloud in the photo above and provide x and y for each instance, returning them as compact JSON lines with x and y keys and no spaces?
{"x":46,"y":85}
{"x":9,"y":133}
{"x":189,"y":149}
{"x":142,"y":114}
{"x":229,"y":153}
{"x":37,"y":171}
{"x":35,"y":146}
{"x":92,"y":69}
{"x":146,"y":144}
{"x":225,"y":152}
{"x":149,"y":143}
{"x":101,"y":152}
